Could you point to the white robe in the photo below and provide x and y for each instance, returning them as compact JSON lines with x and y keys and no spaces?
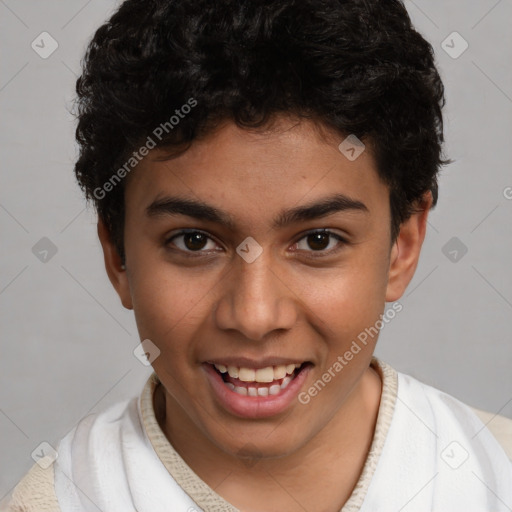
{"x":437,"y":456}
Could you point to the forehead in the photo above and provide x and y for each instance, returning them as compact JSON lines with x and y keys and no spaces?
{"x":255,"y":174}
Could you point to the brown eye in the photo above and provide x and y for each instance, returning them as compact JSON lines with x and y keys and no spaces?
{"x":324,"y":242}
{"x":318,"y":241}
{"x":194,"y":241}
{"x":190,"y":241}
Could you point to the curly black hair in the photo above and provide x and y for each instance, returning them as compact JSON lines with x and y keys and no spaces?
{"x":355,"y":66}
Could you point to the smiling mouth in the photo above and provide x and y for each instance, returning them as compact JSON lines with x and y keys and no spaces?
{"x":271,"y":380}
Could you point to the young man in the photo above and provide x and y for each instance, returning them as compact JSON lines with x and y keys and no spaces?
{"x":263,"y":173}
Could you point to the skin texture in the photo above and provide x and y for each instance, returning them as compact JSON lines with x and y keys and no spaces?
{"x":284,"y":304}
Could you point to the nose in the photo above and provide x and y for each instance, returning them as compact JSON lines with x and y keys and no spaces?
{"x":256,"y":299}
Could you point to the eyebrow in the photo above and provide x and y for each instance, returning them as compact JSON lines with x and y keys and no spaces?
{"x":203,"y":211}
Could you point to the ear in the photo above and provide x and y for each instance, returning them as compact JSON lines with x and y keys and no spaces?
{"x":114,"y":266}
{"x":405,"y":253}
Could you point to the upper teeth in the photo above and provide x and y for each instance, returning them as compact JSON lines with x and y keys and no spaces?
{"x":268,"y":374}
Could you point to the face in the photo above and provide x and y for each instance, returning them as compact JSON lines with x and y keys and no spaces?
{"x":253,"y":261}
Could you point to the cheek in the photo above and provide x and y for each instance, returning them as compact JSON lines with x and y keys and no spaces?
{"x":349,"y":306}
{"x":350,"y":298}
{"x":165,"y":302}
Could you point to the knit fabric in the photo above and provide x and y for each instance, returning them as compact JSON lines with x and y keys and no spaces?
{"x":36,"y":492}
{"x":210,"y":501}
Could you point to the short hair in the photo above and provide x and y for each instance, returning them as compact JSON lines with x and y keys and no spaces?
{"x":355,"y":66}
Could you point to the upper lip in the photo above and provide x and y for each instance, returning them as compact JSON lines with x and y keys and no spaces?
{"x":247,"y":362}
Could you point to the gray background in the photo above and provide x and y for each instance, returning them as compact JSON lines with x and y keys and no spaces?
{"x":66,"y":347}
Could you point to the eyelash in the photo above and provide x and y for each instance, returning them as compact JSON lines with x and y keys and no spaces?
{"x":317,"y":254}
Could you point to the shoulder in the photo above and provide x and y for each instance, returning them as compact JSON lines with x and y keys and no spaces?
{"x":99,"y":434}
{"x":438,"y":455}
{"x":499,"y":426}
{"x":35,"y":492}
{"x":449,"y":418}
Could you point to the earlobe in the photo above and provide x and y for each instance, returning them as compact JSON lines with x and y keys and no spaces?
{"x":405,"y":253}
{"x":114,"y":266}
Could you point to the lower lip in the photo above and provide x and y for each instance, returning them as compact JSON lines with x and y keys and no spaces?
{"x":255,"y":406}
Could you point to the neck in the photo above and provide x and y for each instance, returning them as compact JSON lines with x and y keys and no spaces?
{"x":333,"y":459}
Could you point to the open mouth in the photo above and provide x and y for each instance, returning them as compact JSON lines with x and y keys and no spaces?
{"x":271,"y":380}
